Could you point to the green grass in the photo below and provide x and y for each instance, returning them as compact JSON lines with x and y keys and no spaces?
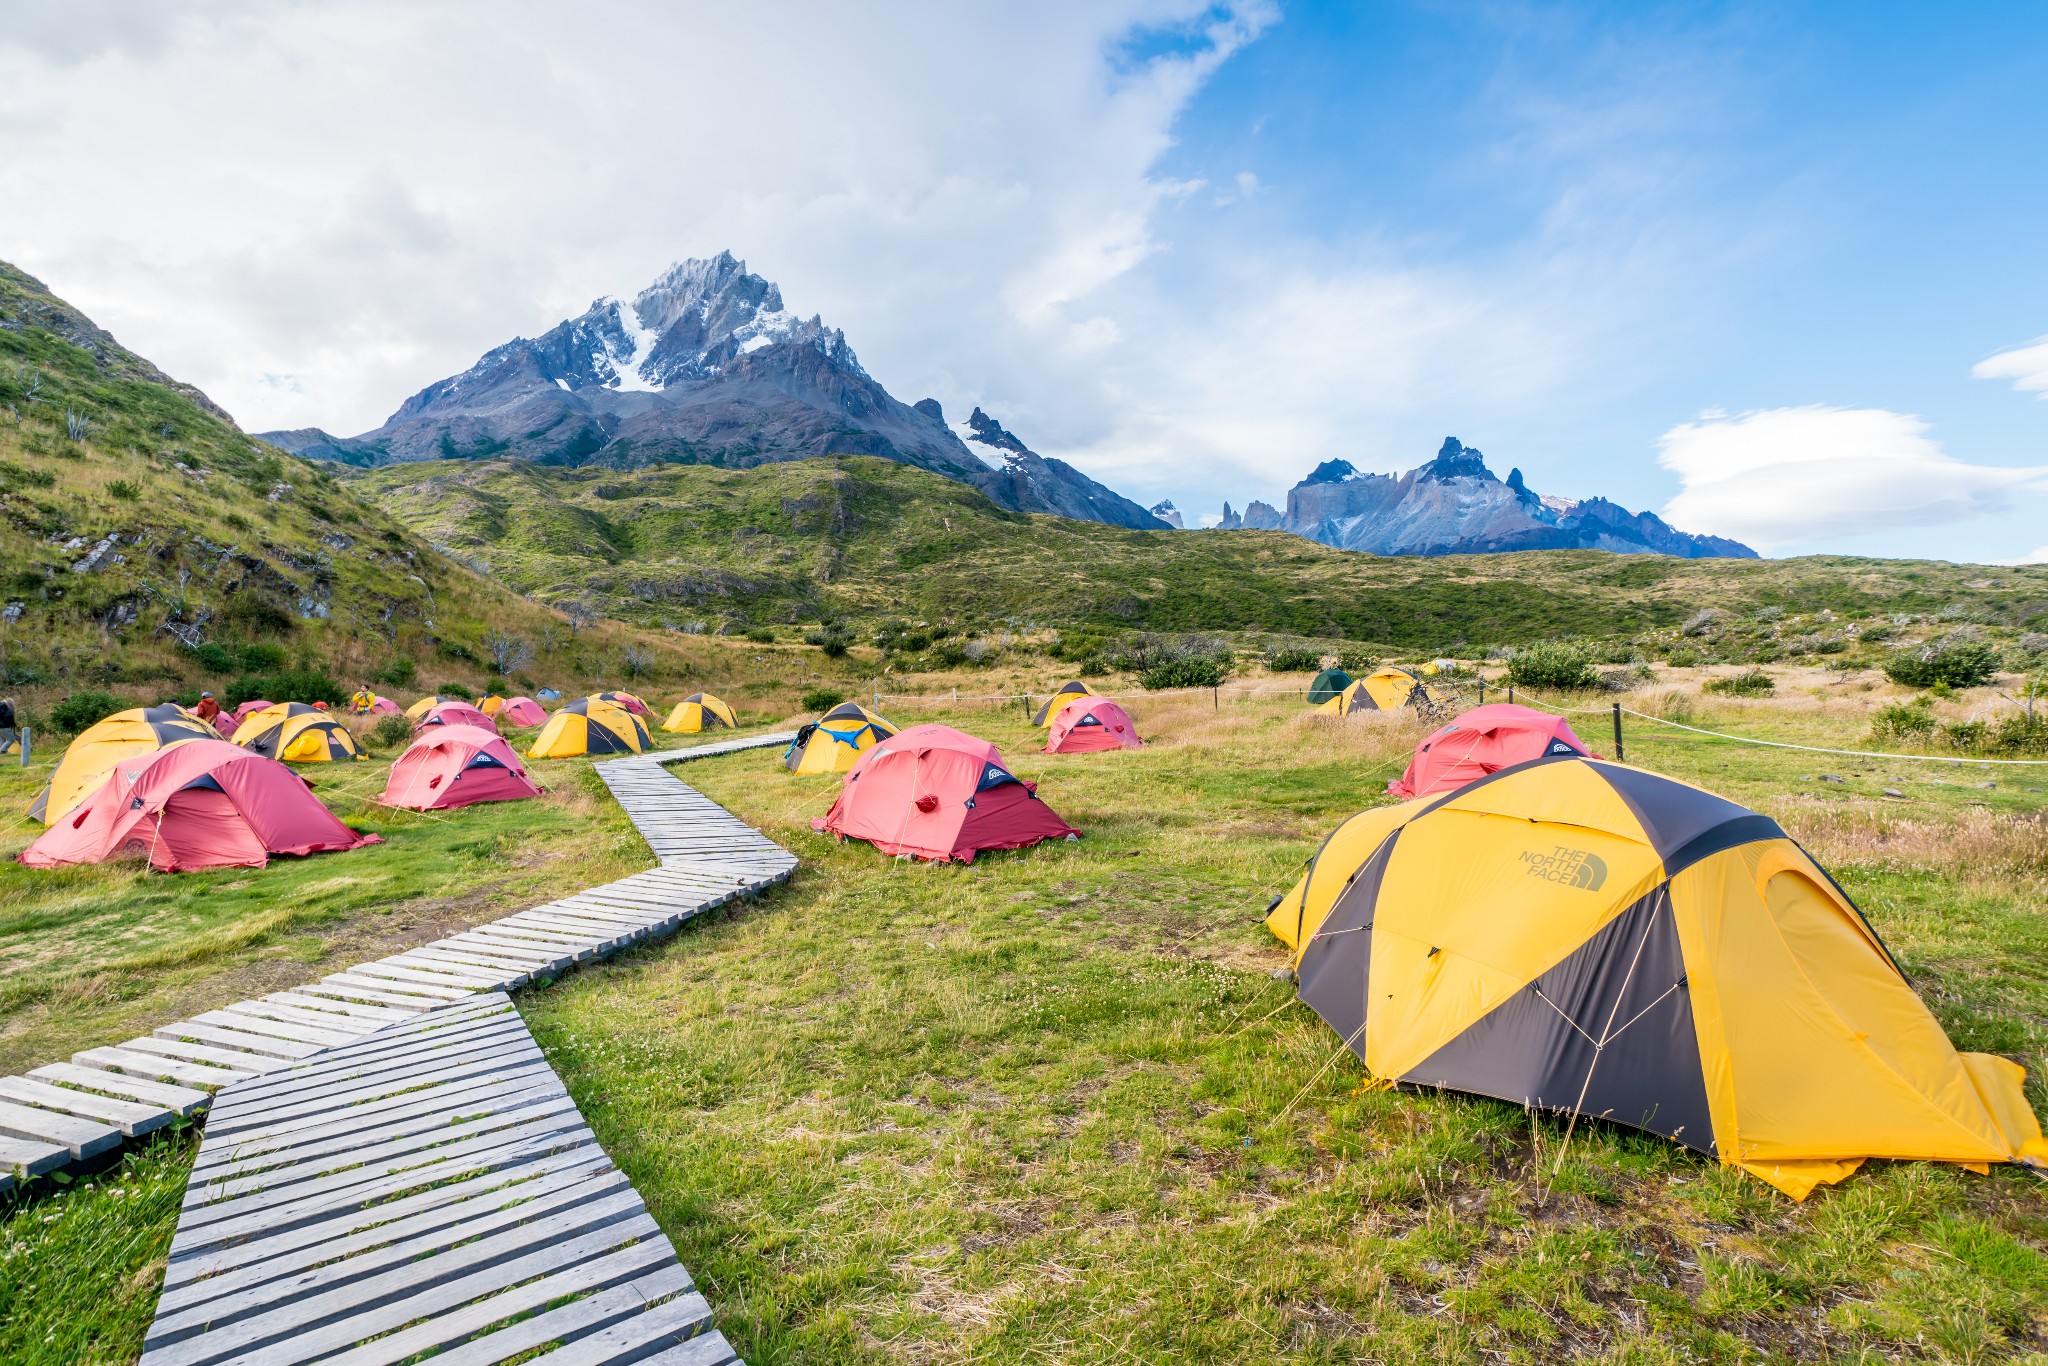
{"x":868,"y":540}
{"x":1052,"y":1106}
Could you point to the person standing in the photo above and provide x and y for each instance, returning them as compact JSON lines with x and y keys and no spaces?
{"x":207,"y":709}
{"x":10,"y":731}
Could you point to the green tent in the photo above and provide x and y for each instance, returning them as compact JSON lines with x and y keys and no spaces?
{"x":1328,"y":684}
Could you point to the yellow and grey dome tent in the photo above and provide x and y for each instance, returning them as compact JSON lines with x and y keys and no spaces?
{"x":1067,"y":693}
{"x":590,"y":726}
{"x":699,"y":711}
{"x":835,"y":740}
{"x":1387,"y":688}
{"x":1579,"y":936}
{"x":431,"y":701}
{"x":296,"y":734}
{"x":104,"y":744}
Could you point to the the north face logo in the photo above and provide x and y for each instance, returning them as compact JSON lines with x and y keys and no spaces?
{"x":1572,"y":867}
{"x":1560,"y":747}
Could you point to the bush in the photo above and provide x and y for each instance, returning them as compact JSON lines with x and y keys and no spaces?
{"x":1748,"y":683}
{"x":760,"y":635}
{"x":1355,"y":661}
{"x":1188,"y":672}
{"x":833,"y":640}
{"x":219,"y":657}
{"x":402,"y":672}
{"x":456,"y":690}
{"x":1681,"y":657}
{"x":286,"y":685}
{"x":261,"y":656}
{"x":1902,"y":721}
{"x":82,"y":709}
{"x":1293,"y":659}
{"x":1957,"y":662}
{"x":1875,"y":632}
{"x":822,"y":699}
{"x":391,"y":731}
{"x":214,"y":658}
{"x":1551,"y":664}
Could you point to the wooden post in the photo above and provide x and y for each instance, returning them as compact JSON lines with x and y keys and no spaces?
{"x":1482,"y":692}
{"x":1617,"y":733}
{"x":1215,"y":699}
{"x":24,"y":746}
{"x":1511,"y":694}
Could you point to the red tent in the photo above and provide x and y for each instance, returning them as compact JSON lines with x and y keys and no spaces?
{"x":199,"y":804}
{"x":1482,"y":741}
{"x":938,"y":794}
{"x":451,"y":765}
{"x":1088,"y":724}
{"x":455,"y":714}
{"x":228,"y":722}
{"x":523,"y":711}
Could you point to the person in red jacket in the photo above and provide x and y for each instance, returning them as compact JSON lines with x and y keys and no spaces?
{"x":207,"y":708}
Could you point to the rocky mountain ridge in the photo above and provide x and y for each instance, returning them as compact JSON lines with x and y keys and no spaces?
{"x":704,"y":366}
{"x":1455,"y":505}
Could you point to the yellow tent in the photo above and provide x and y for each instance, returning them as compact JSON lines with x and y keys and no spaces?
{"x":697,"y":712}
{"x":1067,"y":693}
{"x":431,"y":701}
{"x":1580,"y":936}
{"x":590,"y":726}
{"x":1387,"y":688}
{"x":99,"y":747}
{"x":490,"y":704}
{"x":296,"y":734}
{"x":836,"y":740}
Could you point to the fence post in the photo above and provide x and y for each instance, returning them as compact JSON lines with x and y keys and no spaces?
{"x":24,"y":746}
{"x":1617,"y":733}
{"x":1511,"y":694}
{"x":1482,"y":692}
{"x":1215,"y":699}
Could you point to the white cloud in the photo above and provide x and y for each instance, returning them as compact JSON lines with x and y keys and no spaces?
{"x":2038,"y":555}
{"x":2026,"y":366}
{"x":1803,"y":476}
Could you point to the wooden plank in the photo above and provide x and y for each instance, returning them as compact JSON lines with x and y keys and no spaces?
{"x":398,"y":1000}
{"x":208,"y":1055}
{"x":272,"y":1014}
{"x":131,"y":1118}
{"x":708,"y":1349}
{"x":386,"y":985}
{"x":675,"y":1323}
{"x":83,"y":1137}
{"x":580,"y":1319}
{"x":182,"y":1100}
{"x":156,"y":1067}
{"x":29,"y":1157}
{"x":246,"y":1040}
{"x":489,"y":976}
{"x":407,"y":972}
{"x":355,"y":1010}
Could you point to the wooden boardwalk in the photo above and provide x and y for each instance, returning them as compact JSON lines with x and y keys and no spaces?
{"x":73,"y":1112}
{"x":391,"y":1168}
{"x":427,"y":1188}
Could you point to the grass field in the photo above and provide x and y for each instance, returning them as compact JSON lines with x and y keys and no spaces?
{"x":1053,"y":1107}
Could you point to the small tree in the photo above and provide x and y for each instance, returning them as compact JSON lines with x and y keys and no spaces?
{"x":637,"y":661}
{"x":508,"y":653}
{"x":1551,"y":664}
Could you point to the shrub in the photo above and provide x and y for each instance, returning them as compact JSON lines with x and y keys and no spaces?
{"x":1748,"y":683}
{"x":1355,"y":661}
{"x":1700,"y":622}
{"x":83,"y":708}
{"x":822,"y":699}
{"x":402,"y":672}
{"x":123,"y":489}
{"x":1902,"y":721}
{"x":948,"y":655}
{"x":391,"y":731}
{"x":1188,"y":672}
{"x":1293,"y":659}
{"x":1958,"y":661}
{"x":760,"y":635}
{"x":285,"y":685}
{"x":260,"y":656}
{"x":2020,"y":733}
{"x":833,"y":640}
{"x":456,"y":690}
{"x":1875,"y":632}
{"x":214,"y":658}
{"x":1551,"y":664}
{"x":1681,"y":657}
{"x":1964,"y":735}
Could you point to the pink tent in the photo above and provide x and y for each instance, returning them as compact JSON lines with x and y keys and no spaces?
{"x":199,"y":804}
{"x":1481,"y":741}
{"x":1088,"y":724}
{"x":384,"y":706}
{"x":455,"y":714}
{"x":936,"y":793}
{"x":523,"y":711}
{"x":451,"y":765}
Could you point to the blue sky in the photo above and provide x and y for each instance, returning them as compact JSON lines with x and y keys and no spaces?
{"x":1828,"y":204}
{"x":1775,"y":271}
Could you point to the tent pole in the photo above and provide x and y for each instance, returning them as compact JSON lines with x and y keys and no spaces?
{"x":1617,"y":733}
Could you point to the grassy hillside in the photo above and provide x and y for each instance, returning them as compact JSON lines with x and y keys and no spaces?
{"x":867,"y":540}
{"x":137,"y":522}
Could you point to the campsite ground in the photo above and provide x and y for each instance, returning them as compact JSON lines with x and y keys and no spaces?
{"x":1053,"y":1106}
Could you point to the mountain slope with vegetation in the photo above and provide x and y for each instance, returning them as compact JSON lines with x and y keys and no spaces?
{"x":150,"y":546}
{"x":865,"y":541}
